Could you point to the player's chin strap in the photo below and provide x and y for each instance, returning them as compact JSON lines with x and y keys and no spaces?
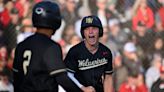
{"x":72,"y":77}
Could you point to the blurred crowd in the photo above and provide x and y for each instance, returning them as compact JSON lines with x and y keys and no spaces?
{"x":133,"y":30}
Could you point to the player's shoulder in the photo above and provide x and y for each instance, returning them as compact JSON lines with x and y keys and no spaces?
{"x":103,"y":47}
{"x":28,"y":40}
{"x":55,"y":44}
{"x":23,"y":43}
{"x":19,"y":45}
{"x":40,"y":40}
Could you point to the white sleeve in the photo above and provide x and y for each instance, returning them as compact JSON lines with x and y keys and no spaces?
{"x":71,"y":76}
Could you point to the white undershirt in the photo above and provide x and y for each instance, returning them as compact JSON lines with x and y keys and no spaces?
{"x":72,"y":77}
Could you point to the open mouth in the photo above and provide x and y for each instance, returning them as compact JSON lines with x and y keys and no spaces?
{"x":91,"y":36}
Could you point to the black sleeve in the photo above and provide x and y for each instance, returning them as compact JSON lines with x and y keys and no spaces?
{"x":109,"y":66}
{"x":67,"y":83}
{"x":17,"y":73}
{"x":71,"y":62}
{"x":53,"y":60}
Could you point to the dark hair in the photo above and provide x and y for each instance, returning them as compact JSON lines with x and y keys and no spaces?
{"x":133,"y":73}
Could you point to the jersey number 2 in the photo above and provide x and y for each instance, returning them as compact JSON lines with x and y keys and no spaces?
{"x":27,"y":54}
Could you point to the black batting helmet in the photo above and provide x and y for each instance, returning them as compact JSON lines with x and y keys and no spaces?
{"x":46,"y":14}
{"x":91,"y":21}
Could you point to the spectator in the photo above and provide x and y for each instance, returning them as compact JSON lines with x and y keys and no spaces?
{"x":157,"y":47}
{"x":74,"y":39}
{"x":5,"y":84}
{"x":161,"y":11}
{"x":159,"y":26}
{"x":144,"y":36}
{"x":134,"y":83}
{"x":154,"y":5}
{"x":63,"y":47}
{"x":23,"y":7}
{"x":3,"y":61}
{"x":116,"y":9}
{"x":112,"y":11}
{"x":111,"y":4}
{"x":117,"y":34}
{"x":69,"y":13}
{"x":101,"y":12}
{"x":160,"y":19}
{"x":152,"y":74}
{"x":9,"y":64}
{"x":158,"y":86}
{"x":120,"y":71}
{"x":11,"y":59}
{"x":68,"y":32}
{"x":143,"y":14}
{"x":11,"y":31}
{"x":69,"y":40}
{"x":3,"y":53}
{"x":131,"y":59}
{"x":5,"y":14}
{"x":128,"y":6}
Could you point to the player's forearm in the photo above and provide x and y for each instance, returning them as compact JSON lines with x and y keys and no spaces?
{"x":71,"y":76}
{"x":83,"y":88}
{"x":108,"y":84}
{"x":67,"y":83}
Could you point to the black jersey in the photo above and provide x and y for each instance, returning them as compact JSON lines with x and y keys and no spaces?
{"x":87,"y":67}
{"x":37,"y":59}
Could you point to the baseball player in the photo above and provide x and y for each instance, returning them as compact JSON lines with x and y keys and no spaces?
{"x":90,"y":63}
{"x":38,"y":65}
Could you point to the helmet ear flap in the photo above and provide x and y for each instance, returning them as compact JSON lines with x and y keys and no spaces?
{"x":82,"y":33}
{"x":100,"y":32}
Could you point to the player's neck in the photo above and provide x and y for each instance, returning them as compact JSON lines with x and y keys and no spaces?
{"x":92,"y":48}
{"x":47,"y":32}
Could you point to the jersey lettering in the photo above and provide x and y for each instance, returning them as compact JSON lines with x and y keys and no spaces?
{"x":27,"y":54}
{"x":86,"y":64}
